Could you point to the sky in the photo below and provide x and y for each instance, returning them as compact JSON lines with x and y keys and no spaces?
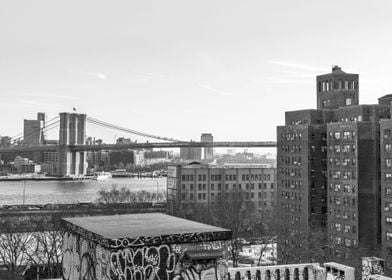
{"x":179,"y":68}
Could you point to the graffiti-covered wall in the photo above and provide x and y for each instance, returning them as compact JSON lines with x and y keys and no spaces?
{"x":84,"y":259}
{"x":88,"y":260}
{"x":165,"y":262}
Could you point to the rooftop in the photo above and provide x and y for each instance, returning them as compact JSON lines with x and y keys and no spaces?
{"x":151,"y":226}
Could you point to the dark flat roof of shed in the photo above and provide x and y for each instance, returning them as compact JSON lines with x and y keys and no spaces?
{"x":140,"y":225}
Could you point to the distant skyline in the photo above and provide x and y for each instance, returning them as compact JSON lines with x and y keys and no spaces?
{"x":179,"y":68}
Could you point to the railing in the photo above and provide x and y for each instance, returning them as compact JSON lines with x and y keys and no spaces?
{"x":278,"y":272}
{"x":305,"y":271}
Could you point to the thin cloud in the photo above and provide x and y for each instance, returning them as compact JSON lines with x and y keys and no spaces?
{"x":145,"y":112}
{"x":98,"y":75}
{"x":214,"y":90}
{"x":274,"y":80}
{"x":28,"y":102}
{"x":47,"y":95}
{"x":298,"y":66}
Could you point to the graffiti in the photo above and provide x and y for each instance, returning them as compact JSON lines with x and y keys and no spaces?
{"x":79,"y":259}
{"x":200,"y":270}
{"x":372,"y":266}
{"x":145,"y":263}
{"x":170,"y":239}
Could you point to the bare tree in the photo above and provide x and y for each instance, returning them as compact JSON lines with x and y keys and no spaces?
{"x":124,"y":195}
{"x":233,"y":211}
{"x":46,"y":253}
{"x":13,"y":247}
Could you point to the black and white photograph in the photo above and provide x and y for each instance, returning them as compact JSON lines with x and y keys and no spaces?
{"x":195,"y":140}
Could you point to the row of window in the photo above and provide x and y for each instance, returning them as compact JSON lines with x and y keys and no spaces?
{"x":293,"y":172}
{"x":346,"y":188}
{"x":346,"y":241}
{"x":292,"y":196}
{"x":339,"y":84}
{"x":344,"y":162}
{"x":292,"y":160}
{"x":291,"y":207}
{"x":342,"y":201}
{"x":344,"y":148}
{"x":345,"y":174}
{"x":291,"y":136}
{"x":228,"y":177}
{"x":291,"y":184}
{"x":342,"y":135}
{"x":343,"y":214}
{"x":219,"y":186}
{"x":327,"y":103}
{"x":345,"y":228}
{"x":203,"y":196}
{"x":291,"y":148}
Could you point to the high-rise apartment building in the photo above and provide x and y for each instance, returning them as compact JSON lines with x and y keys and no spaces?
{"x":386,"y":183}
{"x":328,"y":166}
{"x":353,"y":177}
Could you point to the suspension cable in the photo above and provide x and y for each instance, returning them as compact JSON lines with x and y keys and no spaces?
{"x":131,"y":131}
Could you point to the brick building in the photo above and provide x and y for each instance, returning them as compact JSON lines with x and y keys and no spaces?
{"x":328,"y":166}
{"x":203,"y":183}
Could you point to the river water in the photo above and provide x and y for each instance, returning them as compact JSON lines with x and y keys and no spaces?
{"x":44,"y":192}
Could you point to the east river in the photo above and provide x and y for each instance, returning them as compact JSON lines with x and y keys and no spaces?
{"x":44,"y":192}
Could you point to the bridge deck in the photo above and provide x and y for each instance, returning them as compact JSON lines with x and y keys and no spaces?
{"x":220,"y":144}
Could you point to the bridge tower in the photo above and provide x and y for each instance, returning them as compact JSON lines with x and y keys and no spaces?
{"x":72,"y":132}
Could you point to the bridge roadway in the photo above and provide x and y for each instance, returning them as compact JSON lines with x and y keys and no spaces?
{"x":219,"y":144}
{"x":31,"y":218}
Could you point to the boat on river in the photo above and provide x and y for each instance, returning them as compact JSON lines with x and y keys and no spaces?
{"x":103,"y":176}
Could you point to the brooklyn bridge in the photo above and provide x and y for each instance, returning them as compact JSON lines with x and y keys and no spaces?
{"x":72,"y":146}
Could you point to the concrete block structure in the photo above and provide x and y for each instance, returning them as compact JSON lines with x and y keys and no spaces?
{"x":72,"y":132}
{"x":142,"y":246}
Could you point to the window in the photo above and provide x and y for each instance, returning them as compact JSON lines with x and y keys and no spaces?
{"x":348,"y":101}
{"x":388,"y":147}
{"x":347,"y":188}
{"x":389,"y":236}
{"x":388,"y":162}
{"x":337,"y":135}
{"x":346,"y":135}
{"x":387,"y":133}
{"x":338,"y":227}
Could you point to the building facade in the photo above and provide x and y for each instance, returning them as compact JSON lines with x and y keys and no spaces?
{"x":328,"y":164}
{"x":203,"y":183}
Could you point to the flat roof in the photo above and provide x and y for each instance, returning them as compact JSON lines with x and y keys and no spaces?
{"x":141,"y":226}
